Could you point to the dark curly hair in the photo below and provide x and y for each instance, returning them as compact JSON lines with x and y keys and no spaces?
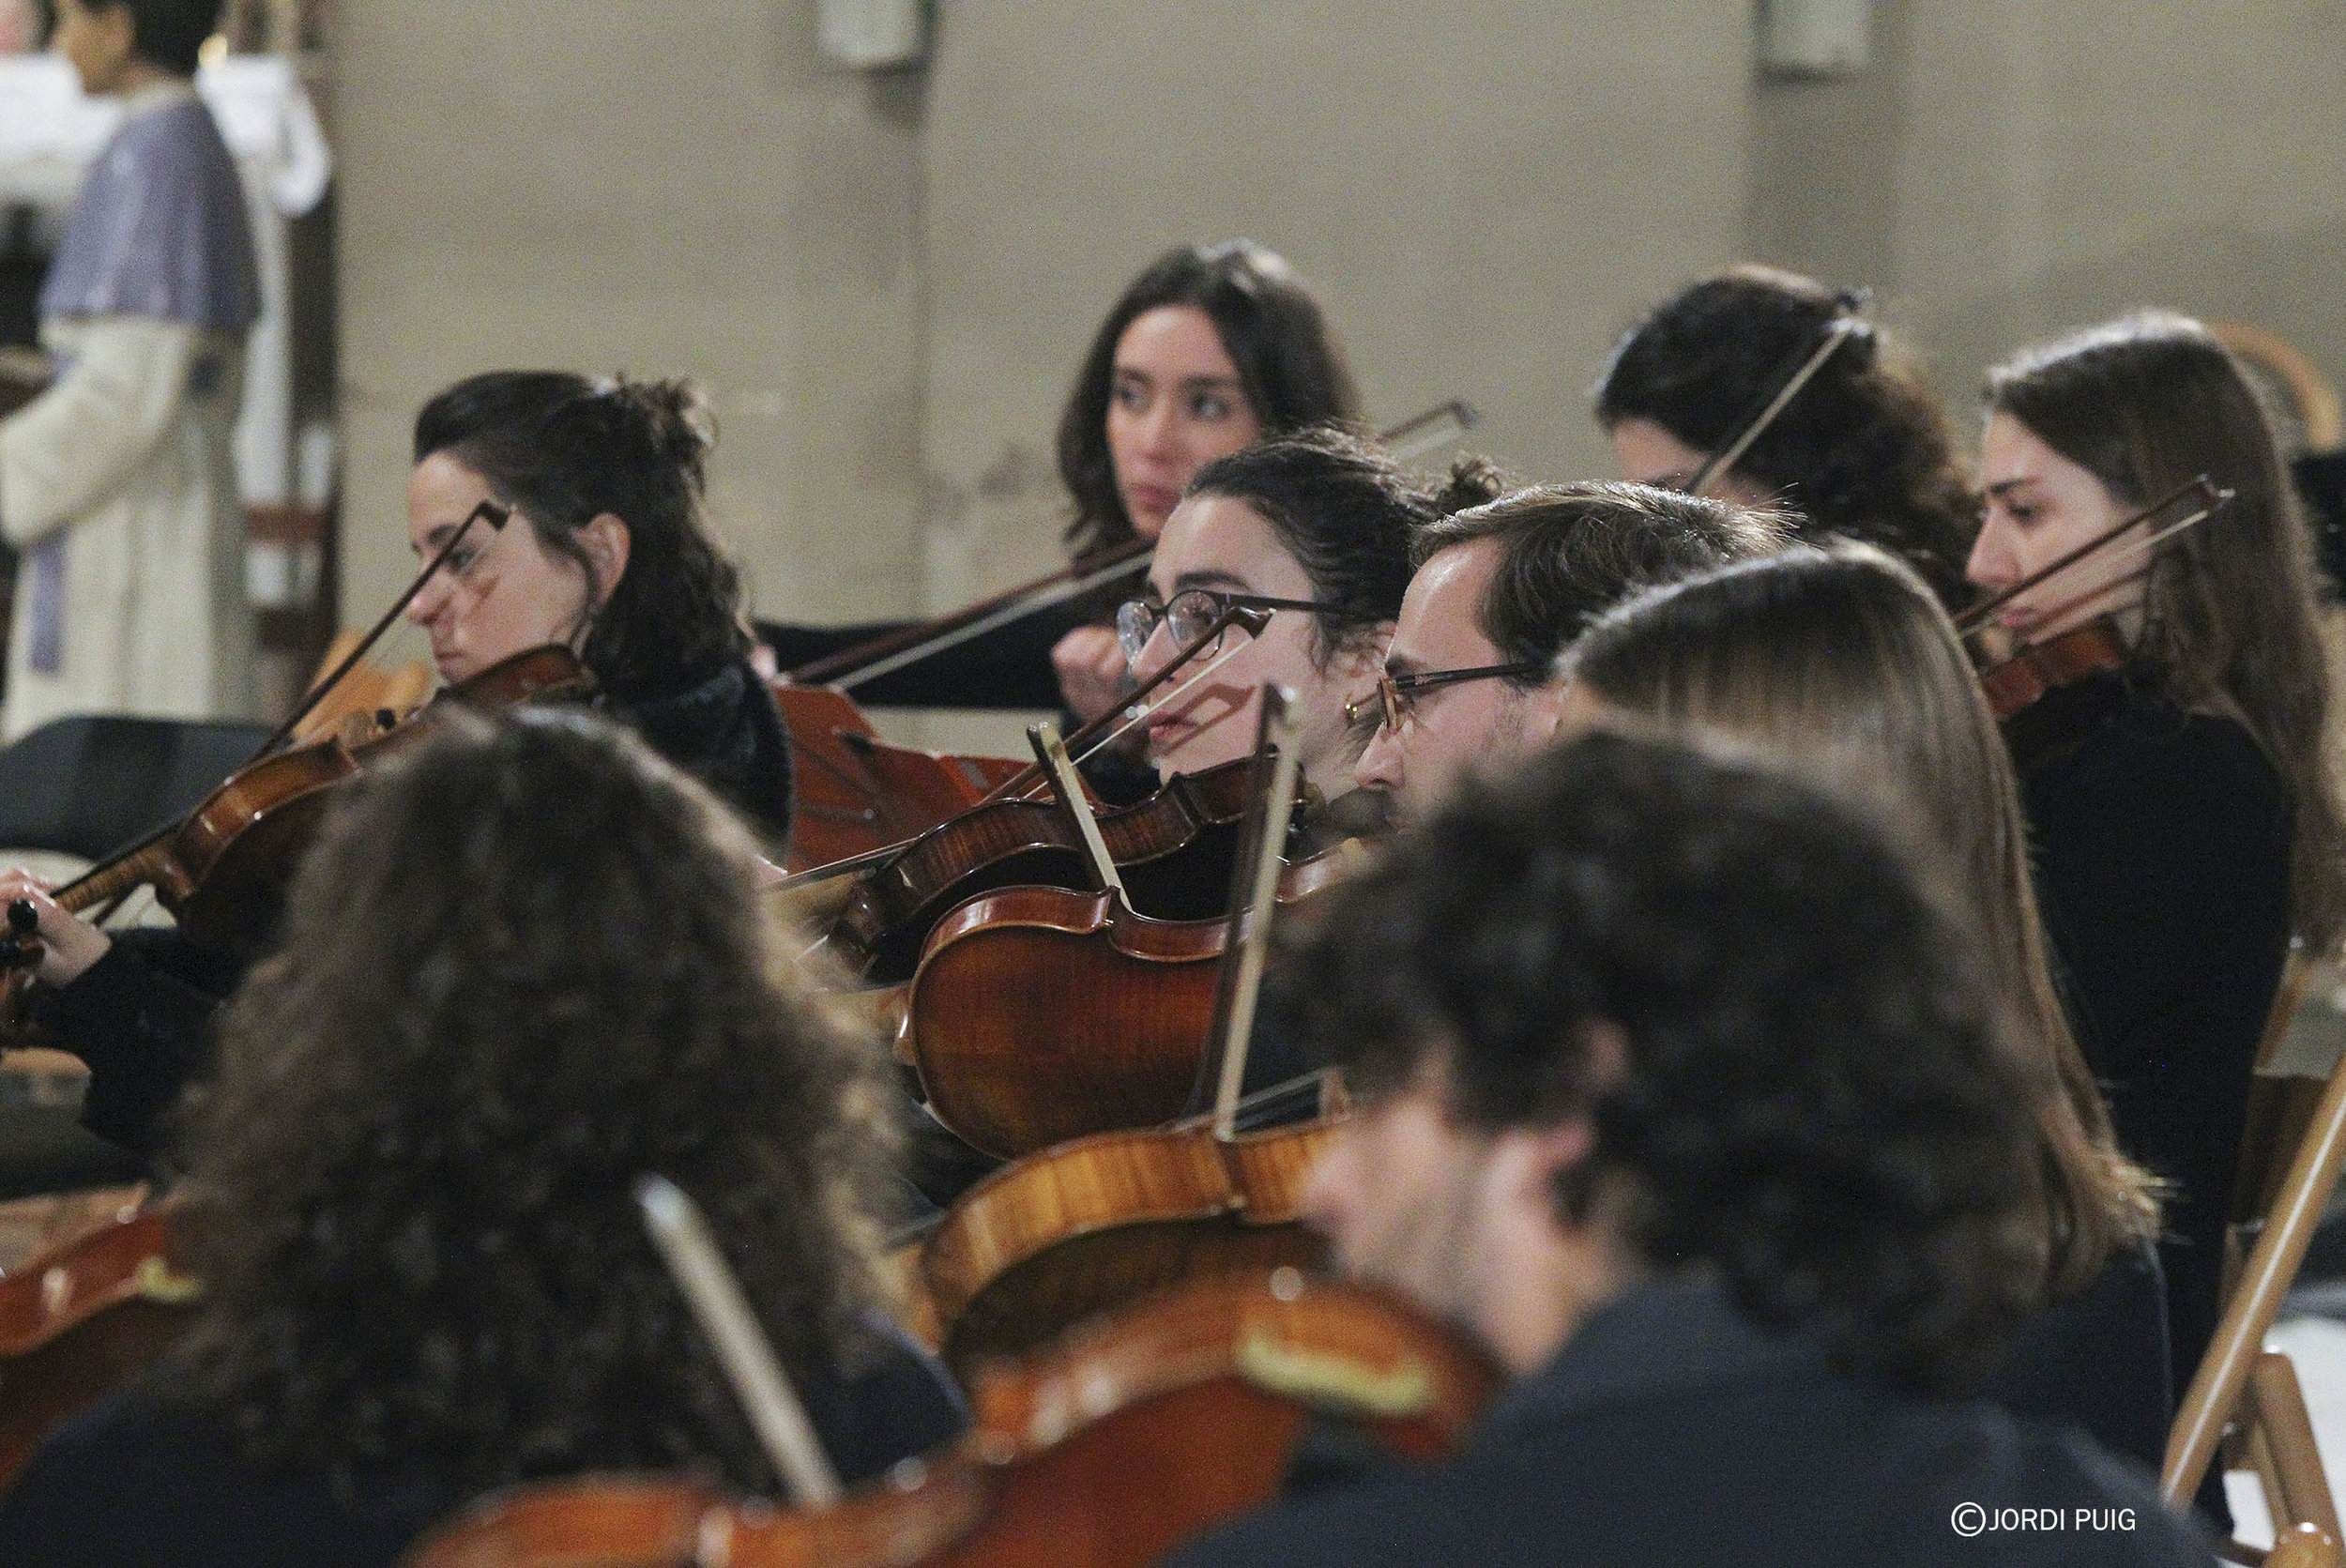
{"x":411,"y":1186}
{"x":1864,"y":450}
{"x":561,"y":449}
{"x":1817,"y":1100}
{"x":1346,"y":512}
{"x":2231,"y":622}
{"x":1289,"y":366}
{"x":166,"y":34}
{"x":1569,"y":551}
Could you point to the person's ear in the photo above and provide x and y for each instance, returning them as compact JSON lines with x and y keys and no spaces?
{"x":1542,"y":711}
{"x":606,"y":540}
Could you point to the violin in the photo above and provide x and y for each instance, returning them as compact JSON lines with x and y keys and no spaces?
{"x":1172,"y":849}
{"x":221,"y":870}
{"x":856,"y":793}
{"x":1092,"y":1222}
{"x":80,"y":1320}
{"x":1040,"y":1014}
{"x":2022,"y":679}
{"x":1104,"y":1452}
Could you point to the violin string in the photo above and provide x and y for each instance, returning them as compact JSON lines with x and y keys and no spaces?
{"x":2126,"y":553}
{"x":1140,"y":714}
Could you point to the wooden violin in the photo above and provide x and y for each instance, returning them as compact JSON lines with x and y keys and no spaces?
{"x":855,"y":793}
{"x":1104,"y":1452}
{"x":1088,"y":1224}
{"x":1173,"y":851}
{"x":80,"y":1320}
{"x":221,"y":870}
{"x":1040,"y":1014}
{"x":2022,"y":677}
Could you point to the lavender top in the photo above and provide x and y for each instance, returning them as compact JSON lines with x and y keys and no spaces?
{"x":159,"y":229}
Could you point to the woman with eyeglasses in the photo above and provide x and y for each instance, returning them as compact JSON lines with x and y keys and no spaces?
{"x":1313,"y":529}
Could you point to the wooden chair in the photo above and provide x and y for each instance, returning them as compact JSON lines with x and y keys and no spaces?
{"x":2240,"y":1387}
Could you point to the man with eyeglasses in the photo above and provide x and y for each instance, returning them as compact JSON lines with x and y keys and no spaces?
{"x":1498,"y":592}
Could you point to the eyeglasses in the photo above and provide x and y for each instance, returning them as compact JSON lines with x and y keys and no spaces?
{"x":1189,"y":614}
{"x":1397,"y":693}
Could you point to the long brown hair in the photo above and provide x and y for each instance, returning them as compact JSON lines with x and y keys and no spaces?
{"x":523,"y":967}
{"x":2230,"y":620}
{"x":1841,"y":658}
{"x":1289,"y":364}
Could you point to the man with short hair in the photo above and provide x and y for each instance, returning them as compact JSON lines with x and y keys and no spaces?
{"x":1500,"y":589}
{"x":1678,"y":1089}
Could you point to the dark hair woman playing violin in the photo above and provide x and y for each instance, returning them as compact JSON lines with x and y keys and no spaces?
{"x":2181,"y":806}
{"x":605,"y":552}
{"x":1210,"y":348}
{"x":426,"y":1275}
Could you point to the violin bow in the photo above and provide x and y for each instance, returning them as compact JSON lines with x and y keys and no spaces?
{"x":1801,"y":369}
{"x":682,"y":1233}
{"x":851,"y":668}
{"x":497,"y":516}
{"x":1253,"y":896}
{"x":2211,"y":497}
{"x":1066,"y":794}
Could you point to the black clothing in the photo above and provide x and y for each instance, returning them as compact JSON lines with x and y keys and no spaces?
{"x":728,"y":732}
{"x":2162,"y":849}
{"x":1670,"y":1431}
{"x":142,"y":1017}
{"x":2100,"y":1361}
{"x":139,"y":1479}
{"x":1009,"y":667}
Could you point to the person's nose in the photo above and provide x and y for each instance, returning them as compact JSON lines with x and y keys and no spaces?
{"x":430,"y":602}
{"x":1155,"y":653}
{"x":1328,"y":1192}
{"x":1381,"y":763}
{"x":1995,"y":562}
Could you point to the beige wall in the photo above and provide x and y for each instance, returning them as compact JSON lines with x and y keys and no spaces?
{"x":888,"y":284}
{"x":657,"y":187}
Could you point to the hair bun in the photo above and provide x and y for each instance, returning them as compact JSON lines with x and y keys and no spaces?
{"x":1474,"y":480}
{"x":671,"y":416}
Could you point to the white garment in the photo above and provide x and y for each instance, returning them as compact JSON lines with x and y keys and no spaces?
{"x":128,"y":455}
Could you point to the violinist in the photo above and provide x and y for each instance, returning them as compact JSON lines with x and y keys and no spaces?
{"x":605,"y":552}
{"x":1676,"y":1087}
{"x":1316,"y":528}
{"x":1842,"y":663}
{"x":1208,"y":349}
{"x":2182,"y":806}
{"x":1864,"y":450}
{"x":426,"y":1275}
{"x":1498,"y":593}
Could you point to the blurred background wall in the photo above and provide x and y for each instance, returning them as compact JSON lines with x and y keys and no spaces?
{"x":886,"y":279}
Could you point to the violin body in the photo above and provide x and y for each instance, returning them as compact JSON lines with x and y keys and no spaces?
{"x":1105,"y":1452}
{"x":226,"y":868}
{"x":855,"y":792}
{"x":1098,"y":1222}
{"x":81,"y":1320}
{"x":1173,"y":851}
{"x":2022,"y":679}
{"x":1038,"y":1015}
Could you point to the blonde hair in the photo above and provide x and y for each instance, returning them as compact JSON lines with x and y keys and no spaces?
{"x":1842,"y":660}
